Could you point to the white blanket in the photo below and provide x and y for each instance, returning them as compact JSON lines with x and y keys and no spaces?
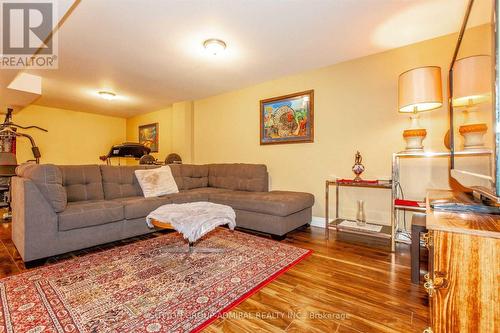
{"x":195,"y":219}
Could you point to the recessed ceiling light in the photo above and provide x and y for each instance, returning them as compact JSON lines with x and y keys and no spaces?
{"x":108,"y":95}
{"x":214,"y":46}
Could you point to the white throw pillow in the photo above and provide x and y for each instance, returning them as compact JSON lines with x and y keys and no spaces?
{"x":156,"y":182}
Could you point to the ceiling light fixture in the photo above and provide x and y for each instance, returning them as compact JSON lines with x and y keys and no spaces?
{"x":107,"y":95}
{"x":214,"y":46}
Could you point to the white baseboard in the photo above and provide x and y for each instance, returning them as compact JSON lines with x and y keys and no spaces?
{"x":318,"y":221}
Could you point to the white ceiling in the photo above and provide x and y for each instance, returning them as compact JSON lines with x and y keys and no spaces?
{"x":19,"y":98}
{"x":150,"y":52}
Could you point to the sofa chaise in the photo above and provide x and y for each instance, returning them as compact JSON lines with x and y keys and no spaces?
{"x":57,"y":209}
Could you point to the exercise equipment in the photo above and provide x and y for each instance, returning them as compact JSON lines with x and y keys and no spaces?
{"x":173,"y":158}
{"x":148,"y":160}
{"x":9,"y":132}
{"x":126,"y":150}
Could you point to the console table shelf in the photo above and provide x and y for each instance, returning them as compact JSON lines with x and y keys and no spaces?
{"x":379,"y":184}
{"x":410,"y":208}
{"x":387,"y":231}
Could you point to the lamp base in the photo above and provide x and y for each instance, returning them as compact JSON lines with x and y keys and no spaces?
{"x":414,"y":139}
{"x":473,"y":135}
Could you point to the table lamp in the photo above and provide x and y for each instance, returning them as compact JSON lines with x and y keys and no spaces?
{"x":471,"y":87}
{"x":419,"y":90}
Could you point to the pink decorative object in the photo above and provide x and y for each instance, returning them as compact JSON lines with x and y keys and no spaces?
{"x":358,"y":168}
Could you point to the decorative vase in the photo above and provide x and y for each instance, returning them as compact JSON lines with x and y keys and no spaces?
{"x":358,"y":168}
{"x":360,"y":215}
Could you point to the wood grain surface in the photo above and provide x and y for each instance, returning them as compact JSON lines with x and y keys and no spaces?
{"x":473,"y":224}
{"x":464,"y":269}
{"x":468,"y":298}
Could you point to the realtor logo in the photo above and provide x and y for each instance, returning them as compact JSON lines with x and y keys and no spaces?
{"x":27,"y":40}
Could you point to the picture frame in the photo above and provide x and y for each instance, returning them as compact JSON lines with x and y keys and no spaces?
{"x":287,"y":119}
{"x":148,"y":136}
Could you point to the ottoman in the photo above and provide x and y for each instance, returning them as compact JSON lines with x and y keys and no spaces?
{"x":192,"y":220}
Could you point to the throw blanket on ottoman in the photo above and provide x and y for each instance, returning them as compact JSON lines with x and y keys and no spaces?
{"x":193,"y":220}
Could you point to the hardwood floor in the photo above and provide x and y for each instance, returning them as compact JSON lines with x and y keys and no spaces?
{"x":342,"y":287}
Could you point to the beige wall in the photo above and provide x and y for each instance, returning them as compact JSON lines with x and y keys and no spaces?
{"x":164,"y":119}
{"x":175,"y":130}
{"x":72,"y":137}
{"x":182,"y":130}
{"x":355,"y":109}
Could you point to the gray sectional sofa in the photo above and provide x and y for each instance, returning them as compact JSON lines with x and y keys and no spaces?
{"x":57,"y":209}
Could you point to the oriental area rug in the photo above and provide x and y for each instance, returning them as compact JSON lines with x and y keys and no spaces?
{"x":140,"y":288}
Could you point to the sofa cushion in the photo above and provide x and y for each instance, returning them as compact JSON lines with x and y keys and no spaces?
{"x":239,"y":177}
{"x":89,"y":213}
{"x":185,"y":196}
{"x":280,"y":203}
{"x":120,"y":181}
{"x":82,"y":182}
{"x":189,"y":176}
{"x":48,"y":180}
{"x":138,"y":207}
{"x":206,"y":191}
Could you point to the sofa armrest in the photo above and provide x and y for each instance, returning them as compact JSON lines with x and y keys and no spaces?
{"x":34,"y":220}
{"x":48,"y":179}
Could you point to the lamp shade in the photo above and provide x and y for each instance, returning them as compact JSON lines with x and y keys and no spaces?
{"x":420,"y":89}
{"x":472,"y":80}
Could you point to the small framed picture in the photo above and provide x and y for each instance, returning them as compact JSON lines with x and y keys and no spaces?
{"x":287,"y":119}
{"x":148,"y":136}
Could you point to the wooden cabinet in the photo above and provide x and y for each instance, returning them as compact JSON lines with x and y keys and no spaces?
{"x":464,"y":270}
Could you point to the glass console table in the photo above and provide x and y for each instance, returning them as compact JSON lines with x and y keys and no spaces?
{"x":387,"y":231}
{"x":402,"y":235}
{"x":393,"y":232}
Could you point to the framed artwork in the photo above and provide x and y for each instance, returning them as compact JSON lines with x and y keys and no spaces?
{"x":148,"y":136}
{"x":287,"y":119}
